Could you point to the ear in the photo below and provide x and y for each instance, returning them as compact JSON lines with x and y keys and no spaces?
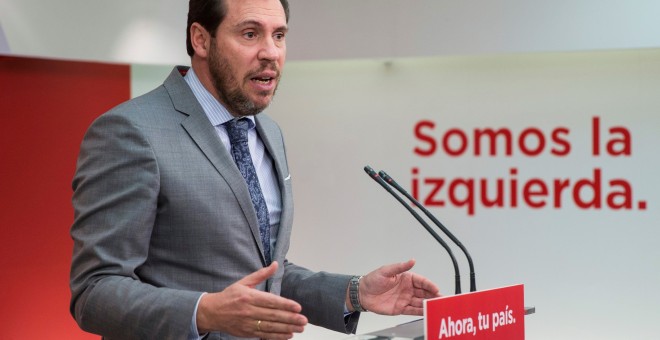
{"x":200,"y":39}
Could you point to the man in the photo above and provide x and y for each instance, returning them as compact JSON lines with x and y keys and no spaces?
{"x":183,"y":211}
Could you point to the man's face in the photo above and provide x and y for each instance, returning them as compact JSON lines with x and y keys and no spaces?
{"x":247,"y":55}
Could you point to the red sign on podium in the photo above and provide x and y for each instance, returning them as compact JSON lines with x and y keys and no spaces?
{"x":490,"y":314}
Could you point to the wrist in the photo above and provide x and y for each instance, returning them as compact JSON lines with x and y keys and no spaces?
{"x":354,"y":294}
{"x":201,"y":319}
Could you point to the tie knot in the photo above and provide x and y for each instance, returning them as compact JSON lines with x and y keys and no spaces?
{"x":237,"y":129}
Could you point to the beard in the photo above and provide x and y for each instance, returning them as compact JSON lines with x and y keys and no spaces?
{"x":228,"y":87}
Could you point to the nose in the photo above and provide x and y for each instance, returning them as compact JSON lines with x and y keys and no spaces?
{"x":271,"y":50}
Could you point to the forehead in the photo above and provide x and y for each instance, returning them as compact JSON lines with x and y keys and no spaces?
{"x":266,"y":12}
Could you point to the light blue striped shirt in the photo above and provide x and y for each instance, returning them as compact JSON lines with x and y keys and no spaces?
{"x":262,"y":161}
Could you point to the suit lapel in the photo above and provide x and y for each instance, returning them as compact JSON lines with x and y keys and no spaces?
{"x":202,"y":132}
{"x":272,"y":139}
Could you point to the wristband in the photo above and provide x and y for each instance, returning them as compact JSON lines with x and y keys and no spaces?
{"x":354,"y":293}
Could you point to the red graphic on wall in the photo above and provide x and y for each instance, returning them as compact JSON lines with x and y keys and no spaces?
{"x":46,"y":107}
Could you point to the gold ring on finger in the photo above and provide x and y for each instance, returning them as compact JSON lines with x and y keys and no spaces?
{"x":259,"y":325}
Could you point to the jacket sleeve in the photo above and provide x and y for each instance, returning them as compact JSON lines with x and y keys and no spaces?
{"x":322,"y":296}
{"x":116,"y":188}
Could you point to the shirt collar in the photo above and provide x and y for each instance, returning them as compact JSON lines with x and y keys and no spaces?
{"x":214,"y":110}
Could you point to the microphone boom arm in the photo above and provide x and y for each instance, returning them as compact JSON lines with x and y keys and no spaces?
{"x":393,"y":183}
{"x":428,"y":228}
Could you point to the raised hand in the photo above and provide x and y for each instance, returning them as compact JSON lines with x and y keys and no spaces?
{"x":393,"y":290}
{"x":243,"y":311}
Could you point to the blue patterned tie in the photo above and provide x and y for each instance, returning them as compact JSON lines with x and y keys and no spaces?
{"x":237,"y":130}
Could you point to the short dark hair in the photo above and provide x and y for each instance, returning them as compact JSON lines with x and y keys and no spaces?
{"x":209,"y":14}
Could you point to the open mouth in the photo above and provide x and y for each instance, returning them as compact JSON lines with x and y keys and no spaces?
{"x":263,"y":80}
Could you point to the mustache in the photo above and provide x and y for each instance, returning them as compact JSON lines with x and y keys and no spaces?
{"x":265,"y":66}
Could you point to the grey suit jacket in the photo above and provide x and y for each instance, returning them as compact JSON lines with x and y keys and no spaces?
{"x":162,"y":214}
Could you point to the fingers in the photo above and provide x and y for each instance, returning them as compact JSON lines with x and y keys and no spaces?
{"x":277,"y":323}
{"x":279,"y":317}
{"x":266,"y":300}
{"x":259,"y":276}
{"x":237,"y":309}
{"x":270,"y":303}
{"x":424,"y":287}
{"x":276,"y":330}
{"x":268,"y":318}
{"x":396,"y":268}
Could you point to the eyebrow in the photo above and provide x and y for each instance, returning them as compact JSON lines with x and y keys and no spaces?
{"x":245,"y":23}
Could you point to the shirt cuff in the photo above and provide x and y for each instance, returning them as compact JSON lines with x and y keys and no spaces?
{"x":194,"y":333}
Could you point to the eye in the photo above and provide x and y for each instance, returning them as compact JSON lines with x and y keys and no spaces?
{"x":279,"y":36}
{"x":250,"y":35}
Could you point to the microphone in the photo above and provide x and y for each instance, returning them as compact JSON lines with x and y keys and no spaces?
{"x":389,"y":180}
{"x":428,"y":228}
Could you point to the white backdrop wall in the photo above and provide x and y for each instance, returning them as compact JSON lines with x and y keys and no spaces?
{"x":153,"y":31}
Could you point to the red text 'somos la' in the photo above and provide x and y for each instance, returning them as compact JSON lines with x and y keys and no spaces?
{"x":530,"y":142}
